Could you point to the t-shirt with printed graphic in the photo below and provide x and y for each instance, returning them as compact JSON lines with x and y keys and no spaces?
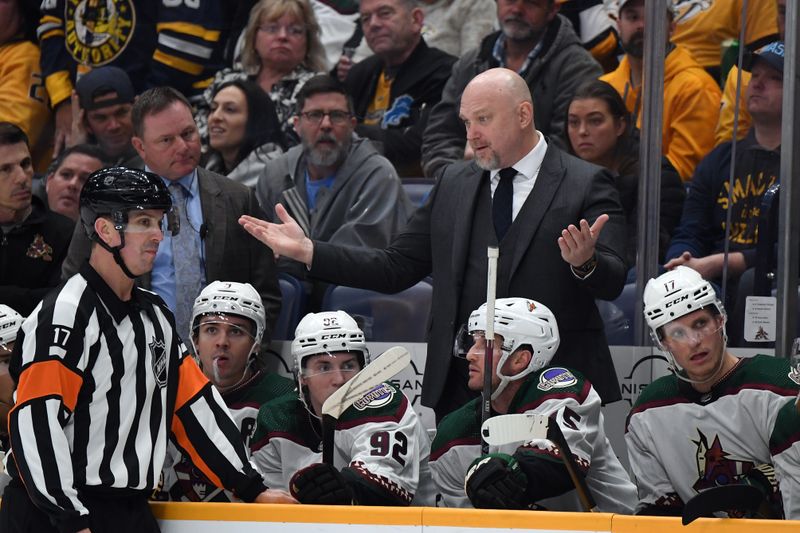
{"x":380,"y":446}
{"x":701,"y":230}
{"x":681,"y":441}
{"x":553,"y":391}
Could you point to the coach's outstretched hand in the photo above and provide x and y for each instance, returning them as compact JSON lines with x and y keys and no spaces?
{"x":286,"y":239}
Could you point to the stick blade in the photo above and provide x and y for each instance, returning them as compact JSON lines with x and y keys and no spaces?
{"x":383,"y":368}
{"x":723,"y":498}
{"x":505,"y":429}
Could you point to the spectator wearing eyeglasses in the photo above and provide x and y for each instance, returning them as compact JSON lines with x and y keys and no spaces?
{"x":335,"y":184}
{"x":281,"y":51}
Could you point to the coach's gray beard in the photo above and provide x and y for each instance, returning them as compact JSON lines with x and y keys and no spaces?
{"x":327,"y":157}
{"x":492,"y":163}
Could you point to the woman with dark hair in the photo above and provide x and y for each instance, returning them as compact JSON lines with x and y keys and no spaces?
{"x":244,"y":131}
{"x":599,"y":130}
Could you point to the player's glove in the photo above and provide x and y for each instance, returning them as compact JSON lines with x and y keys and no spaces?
{"x":496,"y":481}
{"x":321,"y":484}
{"x":763,"y":478}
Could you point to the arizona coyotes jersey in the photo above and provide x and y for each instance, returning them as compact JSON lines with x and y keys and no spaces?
{"x":576,"y":406}
{"x":379,"y":443}
{"x":681,"y":441}
{"x":184,"y":482}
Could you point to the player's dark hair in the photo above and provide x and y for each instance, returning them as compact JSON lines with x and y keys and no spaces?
{"x":154,"y":101}
{"x":12,"y":134}
{"x":321,"y":84}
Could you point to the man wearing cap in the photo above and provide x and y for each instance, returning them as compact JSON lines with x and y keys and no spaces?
{"x":103,"y":114}
{"x":699,"y":239}
{"x":691,"y":96}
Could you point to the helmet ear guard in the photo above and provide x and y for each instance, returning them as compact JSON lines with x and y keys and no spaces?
{"x":522,"y":323}
{"x":115,"y":191}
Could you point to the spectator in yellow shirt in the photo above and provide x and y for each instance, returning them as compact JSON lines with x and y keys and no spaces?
{"x":691,"y":97}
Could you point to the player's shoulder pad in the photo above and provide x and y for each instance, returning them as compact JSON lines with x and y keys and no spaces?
{"x":279,"y":414}
{"x":385,"y":401}
{"x":663,"y":390}
{"x":457,"y":427}
{"x":784,"y":433}
{"x":774,"y":372}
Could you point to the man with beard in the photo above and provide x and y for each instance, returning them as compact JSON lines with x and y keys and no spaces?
{"x":537,"y":43}
{"x":335,"y":184}
{"x":691,"y":96}
{"x":558,"y":221}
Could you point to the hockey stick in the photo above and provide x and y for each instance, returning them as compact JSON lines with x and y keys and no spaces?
{"x":745,"y":498}
{"x":491,"y":285}
{"x":524,"y":427}
{"x":385,"y":367}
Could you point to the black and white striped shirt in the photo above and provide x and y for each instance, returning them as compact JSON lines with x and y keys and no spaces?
{"x":102,"y":385}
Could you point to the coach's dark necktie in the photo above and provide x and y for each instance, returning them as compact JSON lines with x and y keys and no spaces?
{"x":502,"y":202}
{"x":189,"y":275}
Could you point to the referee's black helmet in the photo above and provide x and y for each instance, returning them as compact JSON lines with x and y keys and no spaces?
{"x":115,"y":191}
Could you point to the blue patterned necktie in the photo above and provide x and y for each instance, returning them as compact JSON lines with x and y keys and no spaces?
{"x":189,"y":275}
{"x":502,"y":202}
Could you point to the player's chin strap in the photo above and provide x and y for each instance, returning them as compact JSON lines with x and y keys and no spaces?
{"x":115,"y":249}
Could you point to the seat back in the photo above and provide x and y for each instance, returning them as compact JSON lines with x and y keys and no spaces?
{"x":401,"y":317}
{"x":293,"y":304}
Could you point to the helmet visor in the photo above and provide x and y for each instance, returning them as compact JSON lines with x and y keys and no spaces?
{"x":346,"y":363}
{"x":677,"y":334}
{"x":145,"y":222}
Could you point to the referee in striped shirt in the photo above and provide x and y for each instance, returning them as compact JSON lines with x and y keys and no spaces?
{"x":103,"y":381}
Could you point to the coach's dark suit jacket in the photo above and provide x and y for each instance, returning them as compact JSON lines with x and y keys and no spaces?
{"x":437,"y":240}
{"x":231,"y":253}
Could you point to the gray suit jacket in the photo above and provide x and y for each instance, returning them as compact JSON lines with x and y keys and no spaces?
{"x":437,"y":241}
{"x":231,"y":253}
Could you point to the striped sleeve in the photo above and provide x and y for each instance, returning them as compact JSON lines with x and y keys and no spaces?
{"x":49,"y":377}
{"x":55,"y":60}
{"x":189,"y":46}
{"x":206,"y":433}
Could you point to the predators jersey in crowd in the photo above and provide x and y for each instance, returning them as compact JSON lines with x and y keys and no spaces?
{"x":25,"y":102}
{"x":703,"y":25}
{"x":380,"y":447}
{"x":157,"y":42}
{"x":681,"y":441}
{"x":185,"y":482}
{"x":550,"y":391}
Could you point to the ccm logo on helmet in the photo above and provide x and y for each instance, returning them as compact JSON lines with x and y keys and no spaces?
{"x":330,"y":336}
{"x":679,"y":300}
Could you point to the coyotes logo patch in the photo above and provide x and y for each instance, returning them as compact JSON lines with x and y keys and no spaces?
{"x":39,"y":249}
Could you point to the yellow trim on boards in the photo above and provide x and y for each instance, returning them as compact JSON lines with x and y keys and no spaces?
{"x":457,"y":518}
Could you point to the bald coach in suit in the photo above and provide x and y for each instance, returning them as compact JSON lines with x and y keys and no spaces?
{"x":558,"y":221}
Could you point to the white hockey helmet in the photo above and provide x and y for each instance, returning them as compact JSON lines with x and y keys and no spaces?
{"x":231,"y":298}
{"x":674,"y":294}
{"x":521,"y":322}
{"x":326,"y":332}
{"x":10,"y":322}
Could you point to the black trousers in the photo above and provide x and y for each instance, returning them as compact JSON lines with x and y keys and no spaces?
{"x":107,"y":514}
